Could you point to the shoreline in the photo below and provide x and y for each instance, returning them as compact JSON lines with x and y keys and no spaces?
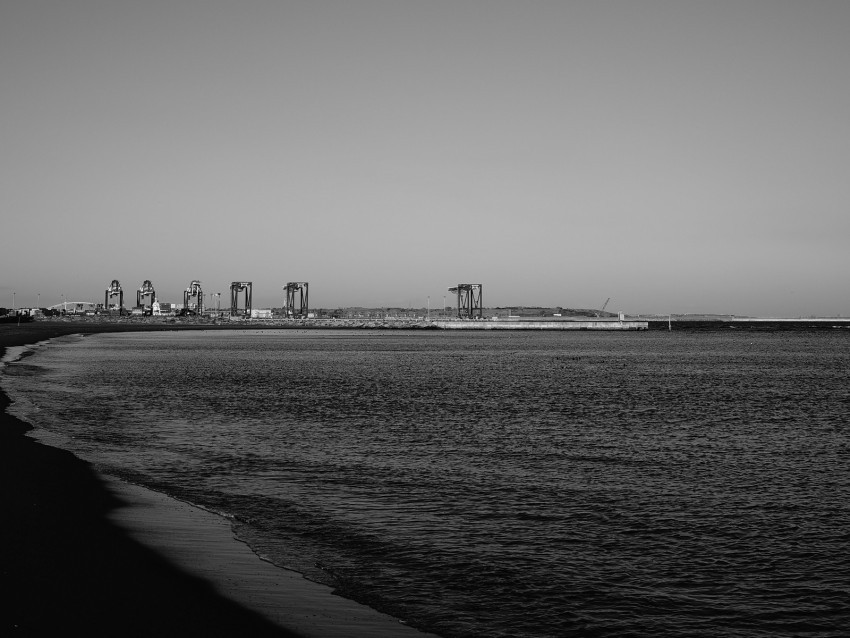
{"x":86,"y":551}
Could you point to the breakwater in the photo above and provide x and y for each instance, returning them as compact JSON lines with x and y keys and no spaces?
{"x":580,"y":323}
{"x":562,"y":324}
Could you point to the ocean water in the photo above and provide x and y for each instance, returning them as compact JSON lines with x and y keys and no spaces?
{"x":494,"y":484}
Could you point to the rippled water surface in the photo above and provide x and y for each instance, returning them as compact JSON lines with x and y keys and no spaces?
{"x":496,"y":484}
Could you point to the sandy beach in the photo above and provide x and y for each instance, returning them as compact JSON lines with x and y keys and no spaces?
{"x":87,"y":553}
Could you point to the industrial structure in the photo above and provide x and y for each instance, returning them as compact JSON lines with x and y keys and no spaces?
{"x":235,"y":288}
{"x":194,"y":291}
{"x":114,"y":290}
{"x":77,"y":307}
{"x":470,"y":311}
{"x":301,"y":287}
{"x":145,"y":291}
{"x":470,"y":303}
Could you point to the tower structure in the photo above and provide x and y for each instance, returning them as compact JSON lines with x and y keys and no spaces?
{"x":146,"y":291}
{"x":301,"y":289}
{"x":235,"y":288}
{"x":194,"y":292}
{"x":114,"y":290}
{"x":470,"y":301}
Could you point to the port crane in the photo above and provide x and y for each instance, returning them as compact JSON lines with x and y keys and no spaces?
{"x":470,"y":303}
{"x":235,"y":288}
{"x":194,"y":290}
{"x":303,"y":289}
{"x":114,"y":290}
{"x":146,"y":290}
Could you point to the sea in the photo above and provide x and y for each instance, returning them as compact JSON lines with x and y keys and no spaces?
{"x":476,"y":483}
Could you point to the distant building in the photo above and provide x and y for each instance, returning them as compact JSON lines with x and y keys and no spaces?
{"x":261,"y":313}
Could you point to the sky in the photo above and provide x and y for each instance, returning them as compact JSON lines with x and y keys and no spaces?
{"x":673,"y":156}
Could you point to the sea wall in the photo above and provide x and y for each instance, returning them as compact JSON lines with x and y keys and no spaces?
{"x":569,"y":324}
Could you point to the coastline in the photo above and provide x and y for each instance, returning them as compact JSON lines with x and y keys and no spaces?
{"x":87,"y":552}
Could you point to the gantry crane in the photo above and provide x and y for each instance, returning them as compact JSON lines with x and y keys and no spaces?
{"x":470,"y":300}
{"x":146,"y":290}
{"x":235,"y":288}
{"x":114,"y":290}
{"x":194,"y":290}
{"x":291,"y":288}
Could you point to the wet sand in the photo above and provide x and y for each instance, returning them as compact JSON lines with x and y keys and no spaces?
{"x":83,"y":552}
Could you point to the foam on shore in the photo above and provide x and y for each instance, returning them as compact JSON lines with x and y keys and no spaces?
{"x":202,"y":543}
{"x":12,"y":353}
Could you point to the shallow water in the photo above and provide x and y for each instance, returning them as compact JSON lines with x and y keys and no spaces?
{"x":492,"y":484}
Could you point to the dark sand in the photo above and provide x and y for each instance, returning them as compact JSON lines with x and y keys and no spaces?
{"x":86,"y":554}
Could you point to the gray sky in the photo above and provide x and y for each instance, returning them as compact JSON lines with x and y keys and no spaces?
{"x":674,"y":156}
